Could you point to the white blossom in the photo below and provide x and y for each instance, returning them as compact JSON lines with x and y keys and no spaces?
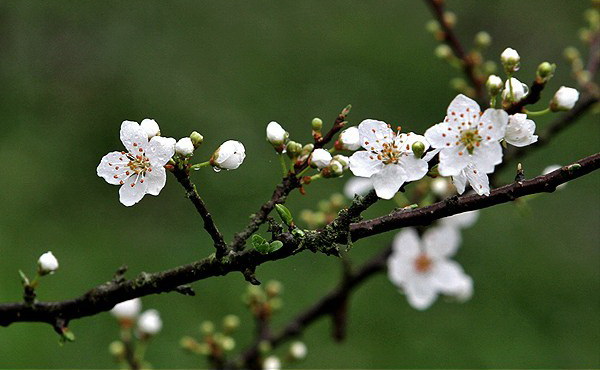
{"x":422,"y":268}
{"x":494,"y":84}
{"x":349,"y":139}
{"x":564,"y":99}
{"x":184,"y":147}
{"x":150,"y":127}
{"x":510,"y":57}
{"x":520,"y":130}
{"x":276,"y":135}
{"x":298,"y":350}
{"x":47,"y":263}
{"x":388,"y":159}
{"x":140,"y":169}
{"x":468,"y":141}
{"x":127,"y":310}
{"x":320,"y":158}
{"x":553,"y":168}
{"x":519,"y":90}
{"x":229,"y":155}
{"x":149,"y":322}
{"x":357,"y":186}
{"x":461,"y":220}
{"x":272,"y":363}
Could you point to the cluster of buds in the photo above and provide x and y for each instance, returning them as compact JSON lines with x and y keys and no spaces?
{"x":263,"y":302}
{"x":330,"y":166}
{"x":185,"y":146}
{"x":214,"y":344}
{"x":326,"y":212}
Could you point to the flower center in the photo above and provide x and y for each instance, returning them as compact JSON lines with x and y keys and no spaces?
{"x":139,"y":164}
{"x":423,"y":263}
{"x":390,"y":153}
{"x":471,"y":139}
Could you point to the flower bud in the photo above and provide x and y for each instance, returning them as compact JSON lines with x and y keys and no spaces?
{"x":127,"y":310}
{"x":230,"y":323}
{"x":483,"y":39}
{"x":349,"y":139}
{"x":519,"y":90}
{"x":273,"y":288}
{"x":564,"y":99}
{"x":298,"y":350}
{"x":184,"y":147}
{"x":571,"y":54}
{"x":510,"y":60}
{"x":116,"y":349}
{"x":320,"y":158}
{"x":343,"y":160}
{"x":307,"y":149}
{"x":149,"y":322}
{"x":494,"y":85}
{"x":443,"y":51}
{"x":450,"y":19}
{"x":418,"y":148}
{"x":227,"y":343}
{"x":432,"y":26}
{"x":47,"y":264}
{"x":276,"y":135}
{"x":229,"y":155}
{"x":335,"y":169}
{"x":490,"y":67}
{"x":293,"y":149}
{"x":317,"y":124}
{"x":545,"y":71}
{"x":271,"y":363}
{"x":197,"y":139}
{"x":150,"y":127}
{"x":207,"y":327}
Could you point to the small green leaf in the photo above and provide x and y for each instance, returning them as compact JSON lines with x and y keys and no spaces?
{"x":24,"y":278}
{"x":275,"y":245}
{"x":260,"y":244}
{"x":285,"y":214}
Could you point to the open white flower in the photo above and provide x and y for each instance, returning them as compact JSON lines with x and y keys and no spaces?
{"x":519,"y":90}
{"x":564,"y":99}
{"x":149,"y":322}
{"x":230,"y":155}
{"x":140,"y":169}
{"x":47,"y":263}
{"x":349,"y":139}
{"x":468,"y":141}
{"x":184,"y":147}
{"x":388,"y":159}
{"x":320,"y":158}
{"x":520,"y":130}
{"x":422,"y":268}
{"x":127,"y":310}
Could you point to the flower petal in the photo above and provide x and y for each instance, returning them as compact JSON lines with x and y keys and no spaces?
{"x":453,"y":160}
{"x":161,"y":149}
{"x":460,"y":182}
{"x":407,"y":244}
{"x":155,"y":180}
{"x":441,"y":241}
{"x":132,"y":191}
{"x":487,"y":156}
{"x":388,"y":181}
{"x":420,"y":291}
{"x":520,"y":130}
{"x":492,"y":124}
{"x":437,"y":135}
{"x":133,"y":137}
{"x":448,"y":276}
{"x":415,"y":168}
{"x":463,"y":105}
{"x":478,"y":179}
{"x":113,"y":167}
{"x":405,"y":141}
{"x":373,"y":134}
{"x":364,"y":164}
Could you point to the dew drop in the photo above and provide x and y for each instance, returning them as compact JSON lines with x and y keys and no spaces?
{"x":216,"y":169}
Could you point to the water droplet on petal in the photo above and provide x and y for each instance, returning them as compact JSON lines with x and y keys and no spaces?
{"x":216,"y":169}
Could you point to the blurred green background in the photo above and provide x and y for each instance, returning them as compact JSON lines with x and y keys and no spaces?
{"x":72,"y":71}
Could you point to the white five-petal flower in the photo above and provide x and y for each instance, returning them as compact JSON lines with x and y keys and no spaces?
{"x":388,"y":159}
{"x":422,"y":268}
{"x":140,"y":169}
{"x":520,"y":130}
{"x":468,"y":141}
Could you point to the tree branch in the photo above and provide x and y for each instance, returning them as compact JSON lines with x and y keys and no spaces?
{"x":105,"y":296}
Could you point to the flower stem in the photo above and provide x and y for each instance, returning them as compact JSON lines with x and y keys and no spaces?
{"x":315,"y":177}
{"x":303,"y":172}
{"x":283,"y":165}
{"x":198,"y":166}
{"x":538,"y":113}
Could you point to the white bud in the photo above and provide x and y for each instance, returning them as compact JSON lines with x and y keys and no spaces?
{"x":564,"y":99}
{"x":510,"y":59}
{"x":276,"y":135}
{"x":298,"y":350}
{"x":343,"y":160}
{"x":320,"y":158}
{"x":149,"y":322}
{"x":271,"y":363}
{"x":150,"y":127}
{"x":519,"y":90}
{"x":494,"y":85}
{"x":440,"y":186}
{"x":229,"y":155}
{"x":350,"y":139}
{"x":47,"y":264}
{"x":128,"y":309}
{"x":184,"y":147}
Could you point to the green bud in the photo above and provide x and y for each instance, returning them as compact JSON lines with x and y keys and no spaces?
{"x":307,"y":149}
{"x":418,"y":148}
{"x":545,"y":71}
{"x":276,"y":304}
{"x":571,"y":54}
{"x":285,"y":214}
{"x":335,"y":169}
{"x":196,"y":138}
{"x":483,"y":39}
{"x":450,"y":19}
{"x":231,"y":323}
{"x":490,"y":67}
{"x":293,"y":149}
{"x":274,"y":288}
{"x":228,"y":344}
{"x":317,"y":124}
{"x":116,"y":348}
{"x":207,"y":327}
{"x":432,"y":26}
{"x":67,"y":335}
{"x":458,"y":84}
{"x":260,"y":244}
{"x":443,"y":51}
{"x":337,"y":200}
{"x":188,"y":343}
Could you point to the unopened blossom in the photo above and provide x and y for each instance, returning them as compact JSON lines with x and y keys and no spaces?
{"x":510,"y":60}
{"x":149,"y":322}
{"x":494,"y":85}
{"x":140,"y":168}
{"x":150,"y":127}
{"x":127,"y":310}
{"x":184,"y":147}
{"x":345,"y":161}
{"x":276,"y":135}
{"x":440,"y":186}
{"x":298,"y":350}
{"x":388,"y":160}
{"x":519,"y":90}
{"x":272,"y":363}
{"x":349,"y":139}
{"x":320,"y":158}
{"x":553,"y":168}
{"x":520,"y":130}
{"x":468,"y":143}
{"x":229,"y":156}
{"x":564,"y":99}
{"x":422,"y":268}
{"x":47,"y":263}
{"x":357,"y":186}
